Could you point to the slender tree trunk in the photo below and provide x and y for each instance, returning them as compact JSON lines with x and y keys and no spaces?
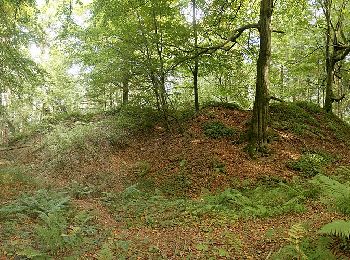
{"x":260,"y":110}
{"x":125,"y":100}
{"x":329,"y":62}
{"x":282,"y":79}
{"x":196,"y":60}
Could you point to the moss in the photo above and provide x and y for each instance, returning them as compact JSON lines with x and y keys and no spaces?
{"x":304,"y":118}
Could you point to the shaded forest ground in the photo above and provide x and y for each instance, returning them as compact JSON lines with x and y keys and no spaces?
{"x":126,"y":188}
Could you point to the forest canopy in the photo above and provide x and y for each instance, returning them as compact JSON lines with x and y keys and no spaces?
{"x":64,"y":57}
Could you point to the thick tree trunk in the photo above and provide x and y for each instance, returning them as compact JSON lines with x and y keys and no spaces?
{"x":196,"y":60}
{"x":329,"y":87}
{"x":258,"y":136}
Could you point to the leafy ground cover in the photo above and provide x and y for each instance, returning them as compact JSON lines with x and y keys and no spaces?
{"x":191,"y":196}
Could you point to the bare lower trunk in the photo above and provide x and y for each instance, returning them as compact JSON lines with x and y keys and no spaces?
{"x":125,"y":92}
{"x":196,"y":60}
{"x":258,"y":136}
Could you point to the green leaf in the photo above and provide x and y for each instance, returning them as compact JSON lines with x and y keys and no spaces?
{"x":202,"y":247}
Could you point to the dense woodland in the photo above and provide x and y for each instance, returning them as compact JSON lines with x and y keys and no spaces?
{"x":62,"y":57}
{"x":128,"y":123}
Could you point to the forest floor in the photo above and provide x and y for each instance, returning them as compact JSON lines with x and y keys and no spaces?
{"x":190,"y":194}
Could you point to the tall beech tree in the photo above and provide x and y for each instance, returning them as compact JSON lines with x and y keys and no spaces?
{"x":195,"y":69}
{"x":337,"y":45}
{"x":259,"y":122}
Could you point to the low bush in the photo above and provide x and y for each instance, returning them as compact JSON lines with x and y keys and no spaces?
{"x":310,"y":164}
{"x":41,"y":202}
{"x":135,"y":207}
{"x":45,"y":225}
{"x":218,"y":130}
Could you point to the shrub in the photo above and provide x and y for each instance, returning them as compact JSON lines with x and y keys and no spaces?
{"x":41,"y":202}
{"x":228,"y":105}
{"x":67,"y":146}
{"x":218,"y":130}
{"x":309,"y":164}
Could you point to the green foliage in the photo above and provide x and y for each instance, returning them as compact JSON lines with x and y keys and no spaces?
{"x":337,"y":194}
{"x":312,"y":108}
{"x":67,"y":146}
{"x":178,"y":184}
{"x":342,"y":174}
{"x":70,"y":117}
{"x":13,"y":174}
{"x":233,"y":106}
{"x":295,"y":234}
{"x":340,"y":128}
{"x":45,"y":225}
{"x":79,"y":191}
{"x":340,"y":228}
{"x":218,"y":130}
{"x":54,"y":235}
{"x":141,"y":169}
{"x":309,"y":164}
{"x":308,"y":249}
{"x":304,"y":118}
{"x":259,"y":202}
{"x":41,"y":202}
{"x":300,"y":247}
{"x":290,"y":116}
{"x":134,"y":118}
{"x":134,"y":207}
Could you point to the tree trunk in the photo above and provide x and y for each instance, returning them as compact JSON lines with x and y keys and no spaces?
{"x":125,"y":91}
{"x":258,"y":137}
{"x":196,"y":60}
{"x":329,"y":61}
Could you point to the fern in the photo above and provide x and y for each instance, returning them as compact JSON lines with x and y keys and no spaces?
{"x":330,"y":187}
{"x":339,"y":228}
{"x":338,"y":194}
{"x":42,"y":202}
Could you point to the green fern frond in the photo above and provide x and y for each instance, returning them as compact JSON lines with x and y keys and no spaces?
{"x":338,"y":228}
{"x":331,"y":187}
{"x":296,"y":233}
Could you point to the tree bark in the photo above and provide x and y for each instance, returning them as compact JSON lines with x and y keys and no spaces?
{"x":196,"y":59}
{"x":329,"y":61}
{"x":258,"y":137}
{"x":125,"y":100}
{"x":336,"y":51}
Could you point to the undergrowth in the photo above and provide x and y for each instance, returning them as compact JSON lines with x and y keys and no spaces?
{"x":311,"y":163}
{"x":305,"y":119}
{"x":134,"y":207}
{"x":43,"y":225}
{"x":218,"y":130}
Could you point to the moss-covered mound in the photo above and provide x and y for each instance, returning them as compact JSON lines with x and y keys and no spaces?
{"x":307,"y":119}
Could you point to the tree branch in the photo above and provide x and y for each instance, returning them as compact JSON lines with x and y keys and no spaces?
{"x":232,"y":38}
{"x":275,"y":98}
{"x":208,"y":50}
{"x":338,"y":99}
{"x":343,"y":55}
